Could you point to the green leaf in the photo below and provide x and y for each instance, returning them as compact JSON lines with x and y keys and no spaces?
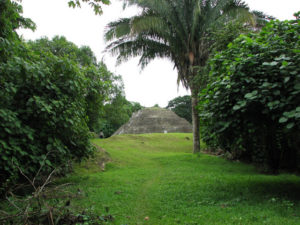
{"x":266,"y":64}
{"x":276,"y":92}
{"x":30,"y":136}
{"x":286,"y":79}
{"x":49,"y":147}
{"x":283,"y":120}
{"x":289,"y":114}
{"x":242,"y":103}
{"x":248,"y":40}
{"x":71,"y":4}
{"x":274,"y":63}
{"x":266,"y":84}
{"x":290,"y":125}
{"x":3,"y":143}
{"x":48,"y":162}
{"x":254,"y":92}
{"x":297,"y":86}
{"x":251,"y":95}
{"x":7,"y":130}
{"x":248,"y":95}
{"x":272,"y":104}
{"x":236,"y":107}
{"x":296,"y":50}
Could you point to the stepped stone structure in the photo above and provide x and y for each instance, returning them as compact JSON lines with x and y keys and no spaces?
{"x":155,"y":120}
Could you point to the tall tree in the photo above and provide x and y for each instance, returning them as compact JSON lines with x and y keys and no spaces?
{"x":178,"y":30}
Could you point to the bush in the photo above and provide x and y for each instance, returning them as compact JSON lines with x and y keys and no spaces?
{"x":96,"y":76}
{"x":43,"y":115}
{"x":251,"y":106}
{"x":42,"y":112}
{"x":52,"y":96}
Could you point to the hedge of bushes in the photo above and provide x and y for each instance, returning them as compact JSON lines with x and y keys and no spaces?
{"x":251,"y":107}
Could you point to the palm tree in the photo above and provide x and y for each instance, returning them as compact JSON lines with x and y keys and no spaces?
{"x":178,"y":30}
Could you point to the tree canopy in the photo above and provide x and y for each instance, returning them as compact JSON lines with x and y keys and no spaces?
{"x":95,"y":4}
{"x":182,"y":107}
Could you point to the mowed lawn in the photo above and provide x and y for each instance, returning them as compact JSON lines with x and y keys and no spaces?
{"x":155,"y":179}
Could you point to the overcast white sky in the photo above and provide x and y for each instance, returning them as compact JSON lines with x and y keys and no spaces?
{"x":157,"y":83}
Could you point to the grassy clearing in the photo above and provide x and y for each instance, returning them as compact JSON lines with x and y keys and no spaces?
{"x":156,"y":176}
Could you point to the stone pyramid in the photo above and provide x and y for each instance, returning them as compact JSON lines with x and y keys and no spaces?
{"x":155,"y":120}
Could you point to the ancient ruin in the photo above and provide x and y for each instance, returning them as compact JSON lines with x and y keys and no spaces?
{"x":155,"y":120}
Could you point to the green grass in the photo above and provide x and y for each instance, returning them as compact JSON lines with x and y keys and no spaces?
{"x":156,"y":176}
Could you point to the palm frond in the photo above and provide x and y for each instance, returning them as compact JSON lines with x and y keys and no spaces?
{"x":175,"y":29}
{"x":148,"y":49}
{"x":117,"y":29}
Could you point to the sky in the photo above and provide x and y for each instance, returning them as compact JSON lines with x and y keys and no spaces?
{"x":157,"y":83}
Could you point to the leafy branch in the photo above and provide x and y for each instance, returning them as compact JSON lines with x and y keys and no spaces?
{"x":95,"y":4}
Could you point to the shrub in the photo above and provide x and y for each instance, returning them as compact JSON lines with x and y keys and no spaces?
{"x":96,"y":76}
{"x":43,"y":122}
{"x":42,"y":112}
{"x":251,"y":106}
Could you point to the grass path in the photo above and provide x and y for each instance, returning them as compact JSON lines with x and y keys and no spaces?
{"x":156,"y":176}
{"x":143,"y":199}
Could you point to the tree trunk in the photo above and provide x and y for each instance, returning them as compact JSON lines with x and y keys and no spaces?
{"x":195,"y":119}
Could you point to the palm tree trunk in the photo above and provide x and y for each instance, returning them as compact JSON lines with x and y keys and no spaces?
{"x":195,"y":119}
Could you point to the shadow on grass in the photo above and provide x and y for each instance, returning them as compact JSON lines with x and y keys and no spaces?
{"x":219,"y":180}
{"x":289,"y":190}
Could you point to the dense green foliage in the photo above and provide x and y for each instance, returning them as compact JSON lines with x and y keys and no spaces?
{"x":42,"y":113}
{"x":182,"y":106}
{"x":95,"y":4}
{"x":156,"y":176}
{"x":61,"y":47}
{"x":251,"y":106}
{"x":106,"y":106}
{"x":11,"y":19}
{"x":50,"y":92}
{"x":98,"y":80}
